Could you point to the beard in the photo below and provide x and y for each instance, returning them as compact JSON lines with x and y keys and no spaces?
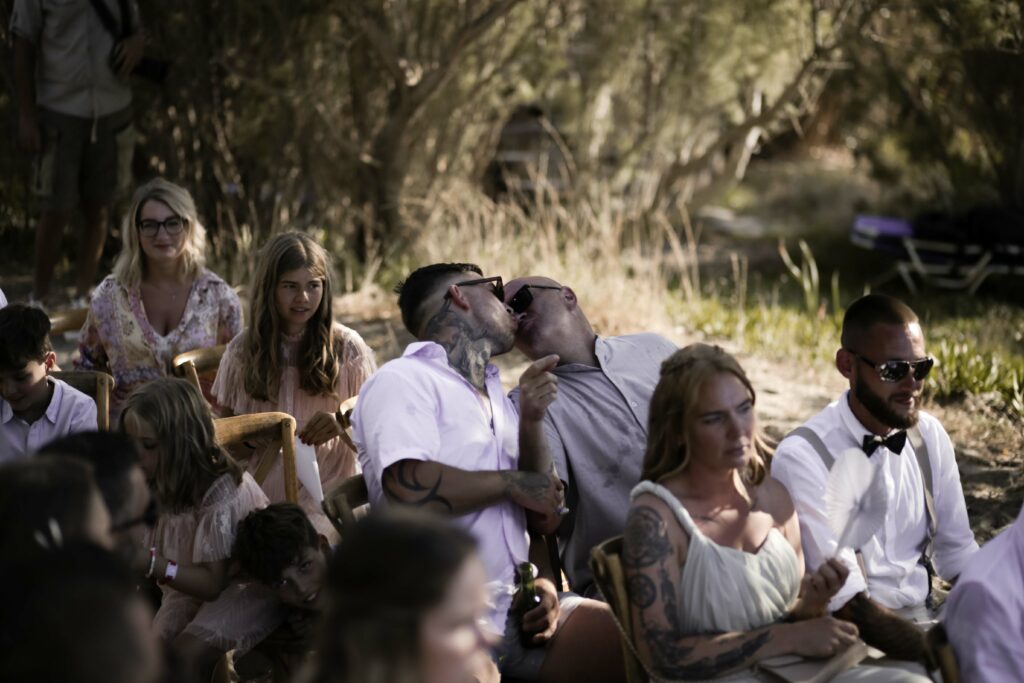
{"x":881,"y":410}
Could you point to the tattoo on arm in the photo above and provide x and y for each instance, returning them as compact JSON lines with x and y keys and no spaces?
{"x":402,"y":484}
{"x":672,"y":653}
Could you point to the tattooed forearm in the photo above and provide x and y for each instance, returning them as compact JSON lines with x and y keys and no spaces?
{"x":646,"y":538}
{"x":671,"y":659}
{"x":402,"y":484}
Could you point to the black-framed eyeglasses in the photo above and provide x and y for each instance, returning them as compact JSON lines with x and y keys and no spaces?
{"x":896,"y":370}
{"x":172,"y":226}
{"x":497,"y":288}
{"x":148,"y":517}
{"x":523,"y":298}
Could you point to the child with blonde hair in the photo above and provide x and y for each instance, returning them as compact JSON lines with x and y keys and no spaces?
{"x":202,"y":494}
{"x":294,"y":358}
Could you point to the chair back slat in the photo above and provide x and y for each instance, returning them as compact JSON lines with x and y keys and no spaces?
{"x":341,"y":502}
{"x":279,"y":428}
{"x":94,"y":384}
{"x":606,"y":563}
{"x":70,"y":320}
{"x":192,"y":365}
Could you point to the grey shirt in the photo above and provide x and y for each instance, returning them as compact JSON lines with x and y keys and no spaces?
{"x":597,"y":431}
{"x":73,"y":75}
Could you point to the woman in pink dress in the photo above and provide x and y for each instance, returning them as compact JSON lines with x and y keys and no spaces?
{"x":203,"y":494}
{"x":294,"y":358}
{"x":160,"y":300}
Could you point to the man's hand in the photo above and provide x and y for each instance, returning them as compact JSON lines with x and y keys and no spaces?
{"x":320,"y":429}
{"x":127,"y":54}
{"x":538,"y":388}
{"x":536,"y":492}
{"x":542,"y":620}
{"x":28,"y":132}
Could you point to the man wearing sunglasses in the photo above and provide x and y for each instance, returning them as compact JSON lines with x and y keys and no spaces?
{"x":884,"y":361}
{"x":434,"y":429}
{"x":596,"y":430}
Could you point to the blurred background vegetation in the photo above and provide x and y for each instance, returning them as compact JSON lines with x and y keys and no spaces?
{"x":653,"y":153}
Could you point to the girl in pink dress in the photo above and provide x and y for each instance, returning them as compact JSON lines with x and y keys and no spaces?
{"x":295,"y":359}
{"x":202,"y":494}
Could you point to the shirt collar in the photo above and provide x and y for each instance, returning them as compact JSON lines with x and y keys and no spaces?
{"x":53,"y":410}
{"x":6,"y":412}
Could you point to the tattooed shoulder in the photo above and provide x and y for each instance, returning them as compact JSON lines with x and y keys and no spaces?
{"x":646,"y":538}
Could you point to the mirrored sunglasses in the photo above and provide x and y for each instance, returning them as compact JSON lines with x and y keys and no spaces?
{"x":896,"y":370}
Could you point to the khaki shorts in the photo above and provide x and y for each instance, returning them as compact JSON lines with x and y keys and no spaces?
{"x":75,"y":166}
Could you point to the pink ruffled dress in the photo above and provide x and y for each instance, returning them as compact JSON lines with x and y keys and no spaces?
{"x":334,"y":458}
{"x":245,"y":613}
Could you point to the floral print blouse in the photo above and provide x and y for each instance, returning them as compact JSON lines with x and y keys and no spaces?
{"x":118,"y":338}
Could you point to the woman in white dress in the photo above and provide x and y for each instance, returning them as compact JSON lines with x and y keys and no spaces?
{"x":713,"y":564}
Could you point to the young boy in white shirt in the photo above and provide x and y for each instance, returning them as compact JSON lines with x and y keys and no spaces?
{"x":34,"y":407}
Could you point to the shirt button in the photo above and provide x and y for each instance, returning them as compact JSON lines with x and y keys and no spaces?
{"x":633,"y":403}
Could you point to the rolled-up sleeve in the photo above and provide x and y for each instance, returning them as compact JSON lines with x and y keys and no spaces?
{"x":394,"y":419}
{"x":27,"y":20}
{"x":800,"y":470}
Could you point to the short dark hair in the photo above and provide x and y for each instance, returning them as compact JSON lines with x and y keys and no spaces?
{"x":112,"y":456}
{"x":420,"y":285}
{"x":24,"y":336}
{"x":270,"y":540}
{"x":871,"y":310}
{"x":35,"y":492}
{"x":75,"y":600}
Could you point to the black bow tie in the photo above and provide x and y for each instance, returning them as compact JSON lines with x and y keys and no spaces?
{"x":894,"y":442}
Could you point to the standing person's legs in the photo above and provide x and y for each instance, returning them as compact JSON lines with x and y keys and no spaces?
{"x":95,"y":218}
{"x":106,"y":172}
{"x":49,"y":233}
{"x":55,"y":180}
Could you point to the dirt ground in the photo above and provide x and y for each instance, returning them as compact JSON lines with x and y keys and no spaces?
{"x":989,"y":445}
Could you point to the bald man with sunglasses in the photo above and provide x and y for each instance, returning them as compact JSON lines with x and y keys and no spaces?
{"x":883,"y":358}
{"x":596,"y":429}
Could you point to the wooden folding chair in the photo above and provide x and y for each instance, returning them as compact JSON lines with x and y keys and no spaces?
{"x":606,"y":563}
{"x":197,"y":363}
{"x":938,"y":654}
{"x":68,"y":320}
{"x":279,"y":428}
{"x":94,"y":384}
{"x":341,"y":502}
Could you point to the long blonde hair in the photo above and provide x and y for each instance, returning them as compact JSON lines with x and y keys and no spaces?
{"x":190,"y":459}
{"x":683,"y":374}
{"x":130,"y":267}
{"x":320,"y":354}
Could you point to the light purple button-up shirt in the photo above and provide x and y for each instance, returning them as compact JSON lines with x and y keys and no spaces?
{"x":984,"y":615}
{"x":418,"y":407}
{"x":70,"y":411}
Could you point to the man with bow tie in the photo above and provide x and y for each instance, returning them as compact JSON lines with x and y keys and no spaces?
{"x":883,"y":358}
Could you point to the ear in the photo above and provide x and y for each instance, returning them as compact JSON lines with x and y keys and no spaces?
{"x":844,"y":363}
{"x":50,"y":360}
{"x":325,"y":546}
{"x":570,"y":297}
{"x":458,"y":298}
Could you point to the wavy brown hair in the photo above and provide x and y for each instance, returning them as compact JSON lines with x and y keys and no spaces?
{"x":320,"y":354}
{"x":190,"y":459}
{"x":672,"y":410}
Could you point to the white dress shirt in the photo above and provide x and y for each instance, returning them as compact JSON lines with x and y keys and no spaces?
{"x":418,"y":407}
{"x":895,"y":577}
{"x":984,"y":614}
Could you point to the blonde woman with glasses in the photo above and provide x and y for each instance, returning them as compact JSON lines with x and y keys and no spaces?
{"x":160,"y":300}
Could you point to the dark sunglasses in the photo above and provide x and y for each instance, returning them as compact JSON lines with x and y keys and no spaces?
{"x":497,"y":288}
{"x":148,"y":517}
{"x":523,"y":298}
{"x":896,"y":370}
